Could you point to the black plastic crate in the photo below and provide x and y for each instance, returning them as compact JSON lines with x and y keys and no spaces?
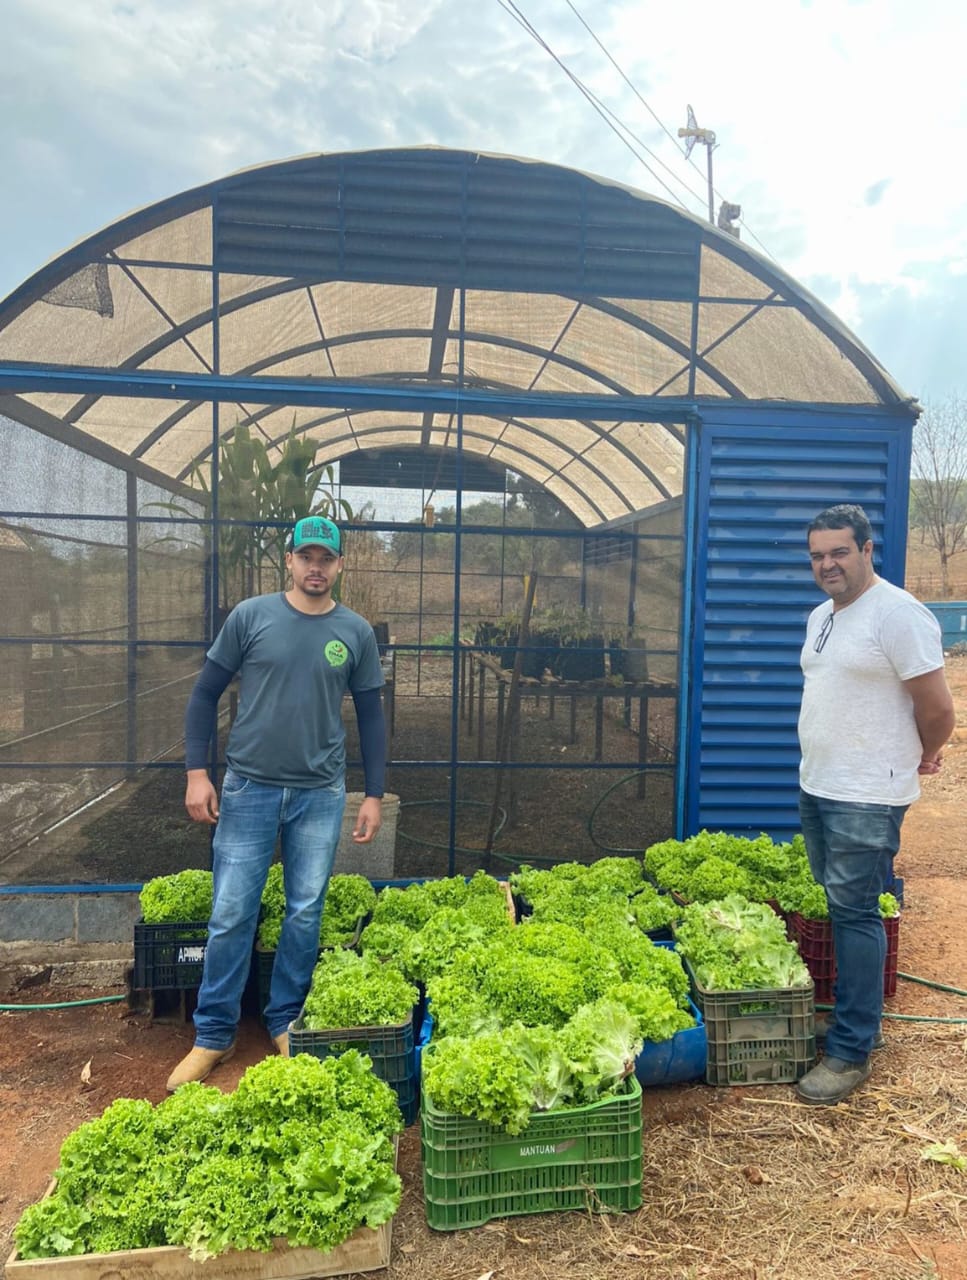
{"x":169,"y":957}
{"x":391,"y":1048}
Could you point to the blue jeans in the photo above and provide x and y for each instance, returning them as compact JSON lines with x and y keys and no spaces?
{"x":251,"y":817}
{"x":851,"y":849}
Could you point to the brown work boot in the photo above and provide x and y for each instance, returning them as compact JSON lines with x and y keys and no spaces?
{"x":281,"y":1042}
{"x":197,"y":1065}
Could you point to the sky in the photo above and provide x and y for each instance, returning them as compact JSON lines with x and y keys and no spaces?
{"x":840,"y":125}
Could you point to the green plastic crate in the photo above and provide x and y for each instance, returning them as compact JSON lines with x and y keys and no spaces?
{"x":575,"y":1158}
{"x":757,"y":1037}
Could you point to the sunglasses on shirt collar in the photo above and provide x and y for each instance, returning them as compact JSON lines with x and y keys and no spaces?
{"x":820,"y":642}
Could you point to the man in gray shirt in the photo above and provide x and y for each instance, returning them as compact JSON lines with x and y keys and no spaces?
{"x":296,"y":653}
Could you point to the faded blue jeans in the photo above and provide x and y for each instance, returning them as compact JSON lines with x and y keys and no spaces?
{"x":252,"y":815}
{"x":851,"y":848}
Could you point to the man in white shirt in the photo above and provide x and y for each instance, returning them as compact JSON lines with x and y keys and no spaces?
{"x":876,"y":713}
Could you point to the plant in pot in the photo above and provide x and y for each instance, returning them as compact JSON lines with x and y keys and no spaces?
{"x":580,"y":651}
{"x":628,"y":657}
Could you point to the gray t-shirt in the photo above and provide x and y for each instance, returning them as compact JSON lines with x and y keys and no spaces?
{"x":295,"y":668}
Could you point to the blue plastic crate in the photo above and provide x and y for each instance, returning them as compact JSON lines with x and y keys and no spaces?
{"x":422,"y":1040}
{"x":677,"y":1060}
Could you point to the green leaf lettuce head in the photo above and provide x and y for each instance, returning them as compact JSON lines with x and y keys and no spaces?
{"x":735,"y":945}
{"x":301,"y":1150}
{"x":712,"y":864}
{"x":350,"y":990}
{"x":182,"y":898}
{"x":484,"y":1076}
{"x":600,"y":1044}
{"x":502,"y":1078}
{"x":349,"y":899}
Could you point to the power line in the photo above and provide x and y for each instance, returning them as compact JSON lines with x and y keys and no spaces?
{"x":510,"y":7}
{"x":621,"y":73}
{"x":653,"y":114}
{"x":611,"y":119}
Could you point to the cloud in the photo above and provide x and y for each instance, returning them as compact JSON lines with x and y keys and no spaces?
{"x":874,"y":193}
{"x":106,"y":106}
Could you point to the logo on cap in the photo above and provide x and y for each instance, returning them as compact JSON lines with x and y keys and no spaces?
{"x":316,"y":531}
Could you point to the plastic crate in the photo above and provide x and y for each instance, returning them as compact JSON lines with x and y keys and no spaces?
{"x":169,"y":957}
{"x":575,"y":1158}
{"x":392,"y":1050}
{"x":757,"y":1037}
{"x":422,"y":1040}
{"x":895,"y":886}
{"x":265,"y":961}
{"x":814,"y":938}
{"x":891,"y":926}
{"x":674,"y":1061}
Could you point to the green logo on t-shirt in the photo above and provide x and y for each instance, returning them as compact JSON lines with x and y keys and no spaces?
{"x":336,"y":653}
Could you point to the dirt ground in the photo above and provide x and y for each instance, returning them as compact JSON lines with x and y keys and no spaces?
{"x":739,"y":1183}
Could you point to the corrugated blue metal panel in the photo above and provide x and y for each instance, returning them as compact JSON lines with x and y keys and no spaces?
{"x":757,"y":491}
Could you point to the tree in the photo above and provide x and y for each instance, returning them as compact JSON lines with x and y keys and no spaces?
{"x":938,"y":492}
{"x":258,"y":502}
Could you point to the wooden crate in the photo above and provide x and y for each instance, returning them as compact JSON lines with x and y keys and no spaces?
{"x":509,"y":897}
{"x":365,"y":1250}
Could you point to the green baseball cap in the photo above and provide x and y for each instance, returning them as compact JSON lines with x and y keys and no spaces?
{"x":316,"y":531}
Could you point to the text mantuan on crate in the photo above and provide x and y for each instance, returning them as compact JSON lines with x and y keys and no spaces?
{"x":169,"y":957}
{"x":757,"y":1037}
{"x":574,"y":1158}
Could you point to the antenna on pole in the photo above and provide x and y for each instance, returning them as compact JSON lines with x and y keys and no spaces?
{"x":692,"y":134}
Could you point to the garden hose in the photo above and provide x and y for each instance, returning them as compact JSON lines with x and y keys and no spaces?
{"x":928,"y":982}
{"x":919,"y":1017}
{"x":606,"y":848}
{"x":60,"y":1004}
{"x":429,"y":844}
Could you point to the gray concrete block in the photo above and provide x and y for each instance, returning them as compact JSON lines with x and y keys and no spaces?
{"x":107,"y":917}
{"x":96,"y":974}
{"x":34,"y":917}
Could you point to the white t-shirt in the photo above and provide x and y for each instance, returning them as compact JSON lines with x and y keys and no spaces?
{"x":857,"y":729}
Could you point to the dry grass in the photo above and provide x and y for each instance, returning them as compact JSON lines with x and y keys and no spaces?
{"x":751,"y":1183}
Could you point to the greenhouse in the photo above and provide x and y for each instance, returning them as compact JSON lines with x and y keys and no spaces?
{"x":573,"y":436}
